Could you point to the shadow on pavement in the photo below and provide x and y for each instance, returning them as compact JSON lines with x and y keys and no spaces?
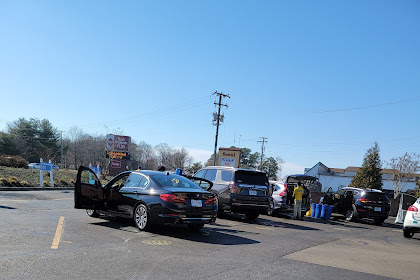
{"x":210,"y":235}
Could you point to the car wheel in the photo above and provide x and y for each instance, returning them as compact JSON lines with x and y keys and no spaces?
{"x":251,"y":215}
{"x":379,"y":221}
{"x":350,"y":215}
{"x":141,"y":217}
{"x":92,"y":213}
{"x":270,"y":210}
{"x":195,"y":227}
{"x":408,"y":233}
{"x":220,"y":212}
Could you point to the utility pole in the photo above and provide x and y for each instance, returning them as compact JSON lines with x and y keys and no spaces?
{"x":221,"y":95}
{"x":61,"y":148}
{"x":263,"y":141}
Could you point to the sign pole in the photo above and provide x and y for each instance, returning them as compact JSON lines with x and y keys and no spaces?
{"x":51,"y":174}
{"x":41,"y":175}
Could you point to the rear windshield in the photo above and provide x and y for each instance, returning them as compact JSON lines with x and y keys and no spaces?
{"x":175,"y":181}
{"x":251,"y":178}
{"x":375,"y":196}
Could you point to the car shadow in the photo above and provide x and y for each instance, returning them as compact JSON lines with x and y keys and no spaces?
{"x":211,"y":235}
{"x":261,"y":221}
{"x":7,"y":207}
{"x":334,"y":220}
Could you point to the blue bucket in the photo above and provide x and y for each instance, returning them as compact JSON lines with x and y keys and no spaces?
{"x":313,"y":209}
{"x":324,"y":211}
{"x":318,"y":210}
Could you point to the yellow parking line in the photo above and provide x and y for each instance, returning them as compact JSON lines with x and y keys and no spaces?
{"x":58,"y":233}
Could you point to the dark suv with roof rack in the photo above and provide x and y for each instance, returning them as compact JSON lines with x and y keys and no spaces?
{"x":239,"y":190}
{"x":355,"y":203}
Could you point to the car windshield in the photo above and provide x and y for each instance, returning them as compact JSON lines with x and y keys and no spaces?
{"x":251,"y":178}
{"x":175,"y":181}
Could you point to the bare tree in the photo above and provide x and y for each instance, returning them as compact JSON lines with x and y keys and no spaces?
{"x":405,"y":168}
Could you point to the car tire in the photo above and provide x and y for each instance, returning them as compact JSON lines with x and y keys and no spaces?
{"x":92,"y":213}
{"x":408,"y":233}
{"x":379,"y":221}
{"x":141,"y":217}
{"x":270,"y":210}
{"x":251,"y":215}
{"x":195,"y":227}
{"x":350,"y":215}
{"x":220,"y":212}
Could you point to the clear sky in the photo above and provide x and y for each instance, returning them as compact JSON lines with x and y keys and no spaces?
{"x":322,"y":80}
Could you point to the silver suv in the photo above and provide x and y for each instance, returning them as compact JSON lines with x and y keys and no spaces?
{"x":239,"y":190}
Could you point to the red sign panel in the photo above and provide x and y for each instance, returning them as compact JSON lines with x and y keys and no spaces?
{"x":115,"y":164}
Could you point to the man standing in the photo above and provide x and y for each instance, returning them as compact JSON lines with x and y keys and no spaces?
{"x":298,"y":194}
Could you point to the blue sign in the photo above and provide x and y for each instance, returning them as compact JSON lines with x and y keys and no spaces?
{"x":46,"y":166}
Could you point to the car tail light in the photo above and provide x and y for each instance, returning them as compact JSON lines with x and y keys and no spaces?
{"x":234,"y":189}
{"x":211,"y":201}
{"x":413,"y":208}
{"x":284,"y":190}
{"x":364,"y":200}
{"x":172,"y":198}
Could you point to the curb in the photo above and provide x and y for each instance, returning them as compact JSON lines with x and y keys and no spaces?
{"x":37,"y":189}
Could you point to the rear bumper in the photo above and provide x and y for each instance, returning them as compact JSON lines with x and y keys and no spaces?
{"x":163,"y":215}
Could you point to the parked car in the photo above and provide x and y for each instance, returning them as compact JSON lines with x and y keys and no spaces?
{"x":279,"y":196}
{"x":148,"y":197}
{"x":356,"y":203}
{"x":412,"y":220}
{"x":291,"y":183}
{"x":239,"y":190}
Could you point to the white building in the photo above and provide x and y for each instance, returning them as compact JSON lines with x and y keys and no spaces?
{"x":337,"y":178}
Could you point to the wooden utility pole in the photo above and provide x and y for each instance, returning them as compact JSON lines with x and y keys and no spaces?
{"x":263,"y":141}
{"x":218,"y":120}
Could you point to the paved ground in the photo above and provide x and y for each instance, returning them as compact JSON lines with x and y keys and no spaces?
{"x":43,"y":237}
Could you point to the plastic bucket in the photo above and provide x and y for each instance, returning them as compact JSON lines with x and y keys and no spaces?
{"x":318,"y":210}
{"x":313,"y":209}
{"x":324,"y":211}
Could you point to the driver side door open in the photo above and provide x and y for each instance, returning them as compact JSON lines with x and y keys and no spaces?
{"x":88,"y":191}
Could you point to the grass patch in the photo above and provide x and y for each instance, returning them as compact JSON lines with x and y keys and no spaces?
{"x":23,"y":177}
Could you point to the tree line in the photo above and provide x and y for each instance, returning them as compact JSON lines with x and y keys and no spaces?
{"x":33,"y":139}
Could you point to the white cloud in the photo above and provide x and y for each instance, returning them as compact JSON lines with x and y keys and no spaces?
{"x":289,"y":168}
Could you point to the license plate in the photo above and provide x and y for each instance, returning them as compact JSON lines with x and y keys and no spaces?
{"x":252,"y":192}
{"x":196,"y":203}
{"x":378,"y":209}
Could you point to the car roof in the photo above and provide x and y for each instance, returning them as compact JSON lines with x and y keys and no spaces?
{"x":232,"y":168}
{"x":360,"y":189}
{"x":301,"y":177}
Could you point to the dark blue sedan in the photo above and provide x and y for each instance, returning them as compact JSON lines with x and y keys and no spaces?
{"x":148,"y":197}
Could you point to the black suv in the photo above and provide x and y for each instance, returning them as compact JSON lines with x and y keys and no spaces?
{"x":355,"y":203}
{"x":239,"y":190}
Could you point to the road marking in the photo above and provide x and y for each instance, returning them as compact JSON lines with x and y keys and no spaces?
{"x":58,"y":233}
{"x":343,"y":229}
{"x":157,"y":242}
{"x":398,"y":230}
{"x":267,"y":227}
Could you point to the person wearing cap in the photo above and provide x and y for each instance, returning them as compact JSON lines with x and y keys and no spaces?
{"x":298,"y":194}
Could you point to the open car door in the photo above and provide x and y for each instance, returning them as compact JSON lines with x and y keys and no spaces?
{"x":88,"y":191}
{"x":203,"y":183}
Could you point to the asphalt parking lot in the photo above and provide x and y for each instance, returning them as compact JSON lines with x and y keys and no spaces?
{"x":44,"y":237}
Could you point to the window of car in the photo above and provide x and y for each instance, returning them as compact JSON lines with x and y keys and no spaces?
{"x":119,"y":182}
{"x":251,"y":177}
{"x":175,"y":181}
{"x":200,"y":174}
{"x":144,"y":182}
{"x":133,"y":181}
{"x":226,"y":175}
{"x":211,"y":174}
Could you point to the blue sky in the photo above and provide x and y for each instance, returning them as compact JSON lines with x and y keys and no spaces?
{"x":322,"y":80}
